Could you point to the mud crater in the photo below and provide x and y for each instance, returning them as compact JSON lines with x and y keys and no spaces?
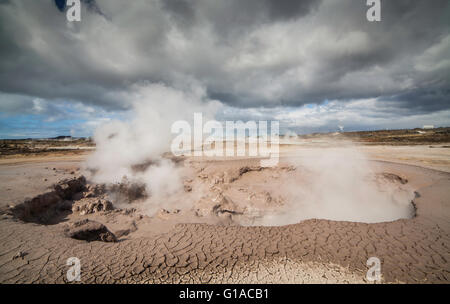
{"x":240,"y":195}
{"x":256,"y":196}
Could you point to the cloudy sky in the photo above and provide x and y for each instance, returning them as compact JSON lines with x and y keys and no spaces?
{"x":312,"y":65}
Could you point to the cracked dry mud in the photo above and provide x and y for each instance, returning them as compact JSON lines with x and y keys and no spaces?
{"x":164,"y":249}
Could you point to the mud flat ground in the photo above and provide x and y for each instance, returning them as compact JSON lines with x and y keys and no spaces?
{"x":211,"y":232}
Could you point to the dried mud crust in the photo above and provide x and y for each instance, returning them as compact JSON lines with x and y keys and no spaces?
{"x":411,"y":251}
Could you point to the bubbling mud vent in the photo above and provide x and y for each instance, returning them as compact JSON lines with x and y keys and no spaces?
{"x":333,"y":184}
{"x":138,"y":173}
{"x":325,"y":186}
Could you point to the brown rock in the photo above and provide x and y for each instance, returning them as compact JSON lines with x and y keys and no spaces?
{"x":92,"y":205}
{"x":67,"y":188}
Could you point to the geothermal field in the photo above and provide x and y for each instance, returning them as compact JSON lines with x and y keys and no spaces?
{"x":330,"y":204}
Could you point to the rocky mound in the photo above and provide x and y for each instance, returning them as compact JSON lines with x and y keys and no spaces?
{"x":46,"y":208}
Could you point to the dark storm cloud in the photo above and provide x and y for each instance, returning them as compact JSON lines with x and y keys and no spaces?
{"x":246,"y":12}
{"x":423,"y":100}
{"x":61,"y":5}
{"x":287,"y":9}
{"x":245,"y":53}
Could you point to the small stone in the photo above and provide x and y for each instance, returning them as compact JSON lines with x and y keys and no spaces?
{"x":20,"y":254}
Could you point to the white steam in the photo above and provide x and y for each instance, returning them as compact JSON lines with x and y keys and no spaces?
{"x":122,"y":145}
{"x":330,"y":183}
{"x":339,"y":184}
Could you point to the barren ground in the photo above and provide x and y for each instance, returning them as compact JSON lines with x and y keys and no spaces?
{"x":218,"y":242}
